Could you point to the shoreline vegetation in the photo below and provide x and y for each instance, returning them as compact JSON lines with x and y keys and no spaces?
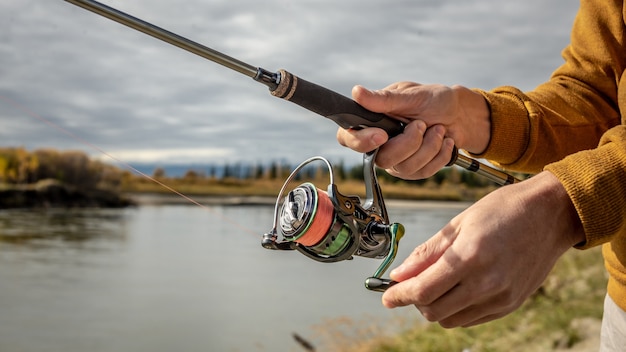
{"x":50,"y":178}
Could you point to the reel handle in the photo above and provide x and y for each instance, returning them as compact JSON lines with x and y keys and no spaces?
{"x":378,"y":284}
{"x":344,"y":111}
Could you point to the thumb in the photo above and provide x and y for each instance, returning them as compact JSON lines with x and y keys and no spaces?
{"x":372,"y":100}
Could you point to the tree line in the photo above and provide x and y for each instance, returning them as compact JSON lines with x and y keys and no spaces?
{"x":315,"y":171}
{"x":76,"y":168}
{"x":20,"y":166}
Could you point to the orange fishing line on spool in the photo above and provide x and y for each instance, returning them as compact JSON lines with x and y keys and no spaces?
{"x":321,"y":222}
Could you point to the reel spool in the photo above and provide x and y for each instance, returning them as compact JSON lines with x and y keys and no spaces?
{"x":307,"y":217}
{"x":328,"y":226}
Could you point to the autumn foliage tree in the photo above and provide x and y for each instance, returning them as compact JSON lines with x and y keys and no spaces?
{"x":75,"y":168}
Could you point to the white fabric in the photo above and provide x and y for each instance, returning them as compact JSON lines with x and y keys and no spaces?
{"x":613,"y":335}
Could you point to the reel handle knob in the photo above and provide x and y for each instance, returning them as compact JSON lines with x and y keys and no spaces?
{"x":378,"y":284}
{"x":269,"y":242}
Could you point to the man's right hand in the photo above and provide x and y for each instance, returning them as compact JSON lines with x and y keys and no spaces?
{"x":437,"y":117}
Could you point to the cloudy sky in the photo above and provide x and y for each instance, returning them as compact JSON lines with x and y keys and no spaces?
{"x":142,"y":100}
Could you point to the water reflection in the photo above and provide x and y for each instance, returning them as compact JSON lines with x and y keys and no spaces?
{"x":41,"y":228}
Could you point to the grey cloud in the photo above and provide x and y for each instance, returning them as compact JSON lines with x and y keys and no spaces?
{"x":124,"y":91}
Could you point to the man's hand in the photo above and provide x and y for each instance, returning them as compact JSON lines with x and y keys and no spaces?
{"x":490,"y":258}
{"x":437,"y":117}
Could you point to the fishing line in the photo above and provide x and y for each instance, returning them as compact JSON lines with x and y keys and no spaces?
{"x":316,"y":222}
{"x":21,"y":107}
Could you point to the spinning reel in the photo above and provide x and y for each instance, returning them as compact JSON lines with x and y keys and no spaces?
{"x":330,"y":227}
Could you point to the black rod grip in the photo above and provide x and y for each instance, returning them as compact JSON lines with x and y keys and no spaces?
{"x":341,"y":109}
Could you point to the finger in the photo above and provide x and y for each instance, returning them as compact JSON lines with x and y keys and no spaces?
{"x":430,"y":284}
{"x":474,"y":315}
{"x":438,"y":162}
{"x":485,"y":300}
{"x":482,"y":320}
{"x":423,"y":289}
{"x":422,"y":257}
{"x":473,"y":301}
{"x":373,"y":100}
{"x":363,"y":140}
{"x":401,"y":147}
{"x":451,"y":309}
{"x":424,"y":154}
{"x":386,"y":100}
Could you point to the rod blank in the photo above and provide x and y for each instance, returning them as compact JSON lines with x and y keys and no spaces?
{"x":166,"y":36}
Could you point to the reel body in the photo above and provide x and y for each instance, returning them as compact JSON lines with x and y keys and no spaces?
{"x":328,"y":226}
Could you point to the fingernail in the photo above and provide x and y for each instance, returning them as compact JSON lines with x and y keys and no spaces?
{"x":441,"y":131}
{"x":421,"y":126}
{"x":358,"y":86}
{"x":378,"y":139}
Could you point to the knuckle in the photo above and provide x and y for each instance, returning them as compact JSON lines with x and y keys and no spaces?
{"x":427,"y":171}
{"x":448,"y":323}
{"x":428,"y":314}
{"x":403,"y":168}
{"x":422,"y":298}
{"x":341,"y":137}
{"x":421,"y":250}
{"x":386,"y":164}
{"x":509,"y":299}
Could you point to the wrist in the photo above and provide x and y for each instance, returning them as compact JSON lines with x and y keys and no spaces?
{"x":474,"y":119}
{"x":552,"y":205}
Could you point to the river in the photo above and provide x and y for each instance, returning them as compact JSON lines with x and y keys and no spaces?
{"x":184,"y":278}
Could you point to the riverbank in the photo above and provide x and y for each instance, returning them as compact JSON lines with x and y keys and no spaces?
{"x":53,"y":194}
{"x":262,"y":191}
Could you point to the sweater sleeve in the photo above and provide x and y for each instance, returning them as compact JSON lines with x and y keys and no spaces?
{"x":572,"y":125}
{"x":595,"y":180}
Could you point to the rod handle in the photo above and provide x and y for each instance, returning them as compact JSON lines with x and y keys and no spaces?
{"x":348,"y":114}
{"x":342,"y":110}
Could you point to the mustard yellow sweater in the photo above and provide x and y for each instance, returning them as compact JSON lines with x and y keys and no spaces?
{"x":574,"y":126}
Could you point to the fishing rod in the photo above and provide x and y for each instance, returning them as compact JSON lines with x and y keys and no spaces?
{"x":326,"y":226}
{"x":344,"y":111}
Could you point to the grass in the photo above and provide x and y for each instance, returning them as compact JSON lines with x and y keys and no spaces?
{"x":558,"y":316}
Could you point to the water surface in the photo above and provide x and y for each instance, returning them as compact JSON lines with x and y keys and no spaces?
{"x":178,"y":277}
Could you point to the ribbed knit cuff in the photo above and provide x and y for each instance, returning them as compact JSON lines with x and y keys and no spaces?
{"x":594,"y":180}
{"x":510,"y":125}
